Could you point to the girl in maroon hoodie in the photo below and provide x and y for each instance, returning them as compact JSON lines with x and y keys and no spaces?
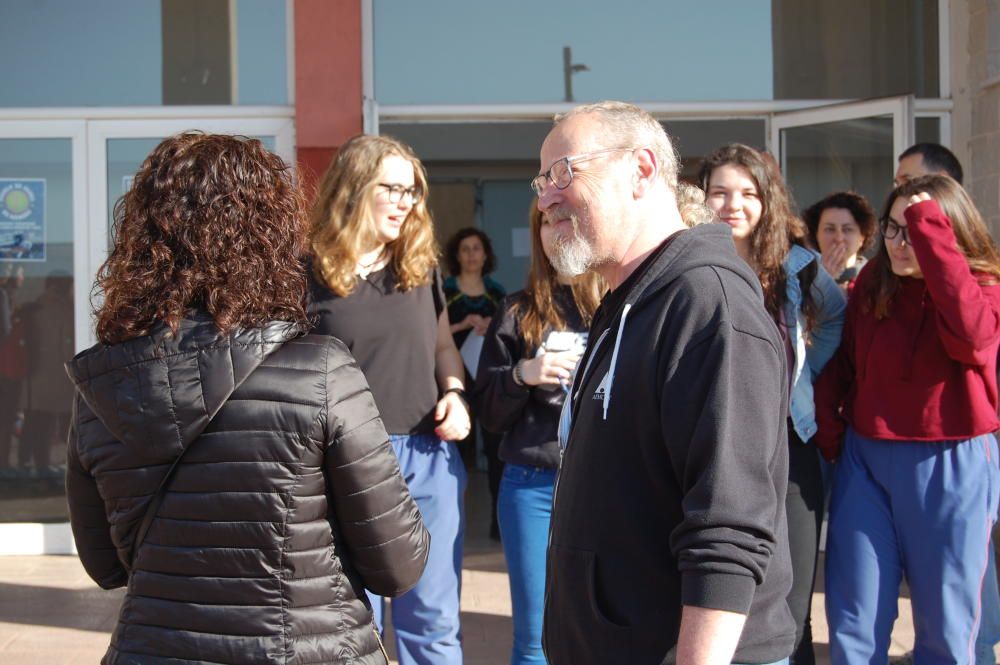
{"x":908,"y":407}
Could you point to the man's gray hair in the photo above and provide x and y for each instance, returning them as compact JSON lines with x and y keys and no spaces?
{"x":628,"y":126}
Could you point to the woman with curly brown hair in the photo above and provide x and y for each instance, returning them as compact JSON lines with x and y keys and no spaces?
{"x":841,"y":225}
{"x":376,"y":286}
{"x":228,"y":468}
{"x":746,"y":191}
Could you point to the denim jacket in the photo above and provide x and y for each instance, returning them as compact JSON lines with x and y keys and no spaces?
{"x":824,"y":338}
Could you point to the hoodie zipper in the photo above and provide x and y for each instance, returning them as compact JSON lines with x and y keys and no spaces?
{"x":571,"y":398}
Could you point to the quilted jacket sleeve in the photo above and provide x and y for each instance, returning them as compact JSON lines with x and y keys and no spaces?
{"x":91,"y":530}
{"x":385,"y":536}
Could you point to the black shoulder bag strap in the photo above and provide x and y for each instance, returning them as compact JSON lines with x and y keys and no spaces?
{"x":154,"y":506}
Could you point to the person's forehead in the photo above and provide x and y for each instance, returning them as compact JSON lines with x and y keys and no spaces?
{"x":896,"y":211}
{"x":573,"y":136}
{"x":913,"y":165}
{"x":398,"y":168}
{"x":837,"y":216}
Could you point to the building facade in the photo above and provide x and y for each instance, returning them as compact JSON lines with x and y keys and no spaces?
{"x":835,"y":89}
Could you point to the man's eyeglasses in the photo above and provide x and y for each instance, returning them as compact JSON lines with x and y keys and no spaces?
{"x":560,"y":174}
{"x":891,"y":229}
{"x":396,"y":192}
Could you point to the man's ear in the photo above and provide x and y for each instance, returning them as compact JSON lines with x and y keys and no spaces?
{"x":645,"y":173}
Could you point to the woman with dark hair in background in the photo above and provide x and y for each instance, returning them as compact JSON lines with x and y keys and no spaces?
{"x":842,"y":225}
{"x":529,"y":355}
{"x":376,"y":285}
{"x":746,"y":191}
{"x":472,"y":299}
{"x":472,"y":295}
{"x":909,"y":407}
{"x":231,"y":470}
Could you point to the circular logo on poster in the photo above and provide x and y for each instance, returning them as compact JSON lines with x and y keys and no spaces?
{"x":16,"y":201}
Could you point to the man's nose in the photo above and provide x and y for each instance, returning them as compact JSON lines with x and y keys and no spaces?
{"x":548,"y":197}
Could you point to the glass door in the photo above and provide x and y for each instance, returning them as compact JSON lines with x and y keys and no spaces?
{"x":843,"y":147}
{"x":44,"y":308}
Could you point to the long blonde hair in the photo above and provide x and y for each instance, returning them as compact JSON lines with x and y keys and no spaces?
{"x":341,"y":218}
{"x":541,"y":312}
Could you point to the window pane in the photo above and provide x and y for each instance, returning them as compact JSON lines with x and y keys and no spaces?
{"x":855,"y":49}
{"x":460,"y":52}
{"x":928,"y":130}
{"x":654,"y":50}
{"x":144,"y":52}
{"x":830,"y":157}
{"x":36,"y":325}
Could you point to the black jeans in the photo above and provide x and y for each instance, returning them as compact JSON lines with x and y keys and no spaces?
{"x":804,"y":507}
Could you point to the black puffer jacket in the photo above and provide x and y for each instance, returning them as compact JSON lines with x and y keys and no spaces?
{"x":288,"y":504}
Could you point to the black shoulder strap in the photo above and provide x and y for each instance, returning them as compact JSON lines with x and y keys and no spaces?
{"x":154,"y":506}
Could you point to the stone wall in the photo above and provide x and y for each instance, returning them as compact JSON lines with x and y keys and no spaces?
{"x":983,"y":94}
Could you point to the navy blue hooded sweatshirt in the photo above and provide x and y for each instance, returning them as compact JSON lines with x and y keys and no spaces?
{"x":672,"y":486}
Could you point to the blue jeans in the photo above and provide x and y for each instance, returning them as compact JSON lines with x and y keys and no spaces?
{"x":524,"y":510}
{"x":915,"y":508}
{"x":989,"y":627}
{"x":426,"y":618}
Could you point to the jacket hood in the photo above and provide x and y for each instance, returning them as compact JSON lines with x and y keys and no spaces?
{"x":705,"y":245}
{"x":159,"y":392}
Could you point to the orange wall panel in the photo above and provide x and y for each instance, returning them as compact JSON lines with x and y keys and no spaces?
{"x":328,"y":86}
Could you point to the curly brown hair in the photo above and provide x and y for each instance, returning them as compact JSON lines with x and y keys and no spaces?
{"x":778,"y":229}
{"x":212,"y":223}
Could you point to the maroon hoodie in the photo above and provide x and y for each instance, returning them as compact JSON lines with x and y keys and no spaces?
{"x":927,"y":371}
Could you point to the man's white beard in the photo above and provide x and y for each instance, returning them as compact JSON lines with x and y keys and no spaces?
{"x":572,"y":256}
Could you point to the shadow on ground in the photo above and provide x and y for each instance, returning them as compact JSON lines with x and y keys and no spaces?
{"x":84,"y":609}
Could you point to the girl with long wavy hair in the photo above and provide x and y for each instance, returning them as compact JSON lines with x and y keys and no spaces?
{"x":213,"y":457}
{"x":529,"y":354}
{"x":908,"y":407}
{"x":376,"y":286}
{"x":746,"y":191}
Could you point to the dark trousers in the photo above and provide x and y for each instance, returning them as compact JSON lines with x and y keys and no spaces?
{"x":804,"y":507}
{"x":494,"y":473}
{"x":42,"y":431}
{"x":10,"y":392}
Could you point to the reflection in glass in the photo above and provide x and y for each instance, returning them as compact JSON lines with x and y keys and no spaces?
{"x":854,"y":49}
{"x":36,"y":337}
{"x":153,"y":53}
{"x":850,"y":155}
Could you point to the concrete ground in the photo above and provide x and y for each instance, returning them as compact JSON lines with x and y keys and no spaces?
{"x":52,"y":614}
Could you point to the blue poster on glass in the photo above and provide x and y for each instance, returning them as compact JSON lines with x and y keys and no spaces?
{"x":22,"y":219}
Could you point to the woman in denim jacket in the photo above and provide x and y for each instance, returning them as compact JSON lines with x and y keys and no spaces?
{"x":747,"y":192}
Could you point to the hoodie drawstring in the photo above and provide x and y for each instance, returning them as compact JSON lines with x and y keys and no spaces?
{"x":614,"y":359}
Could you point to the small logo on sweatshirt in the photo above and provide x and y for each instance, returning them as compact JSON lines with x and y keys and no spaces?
{"x":601,"y":389}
